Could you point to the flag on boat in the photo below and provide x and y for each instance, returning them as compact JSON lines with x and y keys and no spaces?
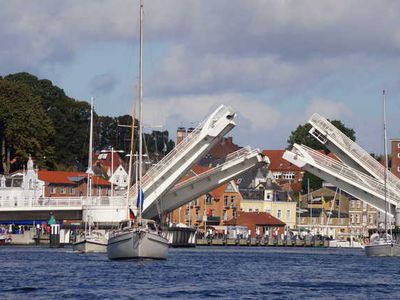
{"x":140,"y":200}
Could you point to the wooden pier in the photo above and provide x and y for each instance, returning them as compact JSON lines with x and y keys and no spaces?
{"x":262,"y":242}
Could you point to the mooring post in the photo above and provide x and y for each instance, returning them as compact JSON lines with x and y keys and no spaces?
{"x":55,"y":236}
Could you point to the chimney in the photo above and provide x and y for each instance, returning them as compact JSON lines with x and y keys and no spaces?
{"x":180,"y":134}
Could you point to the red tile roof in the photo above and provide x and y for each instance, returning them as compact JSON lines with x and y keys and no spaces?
{"x":67,"y":177}
{"x":104,"y":159}
{"x":255,"y":218}
{"x":223,"y":148}
{"x":277,"y":161}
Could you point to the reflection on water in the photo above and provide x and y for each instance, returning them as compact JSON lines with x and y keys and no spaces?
{"x":231,"y":272}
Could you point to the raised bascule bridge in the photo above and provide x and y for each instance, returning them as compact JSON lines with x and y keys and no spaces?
{"x":356,"y":172}
{"x":162,"y":184}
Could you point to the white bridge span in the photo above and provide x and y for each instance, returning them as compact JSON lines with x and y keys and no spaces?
{"x":358,"y":173}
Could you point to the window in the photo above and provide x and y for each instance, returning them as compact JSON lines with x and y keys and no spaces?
{"x":62,"y":189}
{"x":352,"y":204}
{"x":234,"y":214}
{"x":208,"y":199}
{"x":398,"y":145}
{"x":279,"y":214}
{"x":398,"y":155}
{"x":225,"y":200}
{"x":257,"y":210}
{"x":341,"y":221}
{"x":288,"y":215}
{"x":398,"y":169}
{"x":71,"y":190}
{"x":352,"y":218}
{"x":358,"y":218}
{"x":250,"y":210}
{"x":358,"y":204}
{"x":232,"y":201}
{"x":225,"y":215}
{"x":337,"y":202}
{"x":371,"y":219}
{"x":99,"y":191}
{"x":52,"y":189}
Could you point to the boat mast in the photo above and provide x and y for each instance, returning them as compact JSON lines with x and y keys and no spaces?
{"x":139,"y":185}
{"x":90,"y":158}
{"x":132,"y":145}
{"x":385,"y":157}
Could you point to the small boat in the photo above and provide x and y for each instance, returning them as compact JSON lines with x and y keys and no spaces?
{"x":345,"y":244}
{"x":382,"y":246}
{"x":144,"y":241}
{"x":95,"y":241}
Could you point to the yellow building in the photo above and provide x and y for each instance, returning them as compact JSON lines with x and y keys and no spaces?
{"x":283,"y":210}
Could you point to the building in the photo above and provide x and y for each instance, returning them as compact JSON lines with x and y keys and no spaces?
{"x":363,"y":218}
{"x":258,"y":223}
{"x":330,"y":211}
{"x":284,"y":172}
{"x":106,"y":162}
{"x":119,"y":178}
{"x":395,"y":147}
{"x":72,"y":184}
{"x":21,"y":186}
{"x":211,"y":210}
{"x":261,"y":193}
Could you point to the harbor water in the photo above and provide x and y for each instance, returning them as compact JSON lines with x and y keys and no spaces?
{"x":200,"y":273}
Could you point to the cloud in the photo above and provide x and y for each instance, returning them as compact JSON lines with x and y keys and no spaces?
{"x":103,"y":83}
{"x":253,"y":114}
{"x":329,"y":109}
{"x":48,"y":30}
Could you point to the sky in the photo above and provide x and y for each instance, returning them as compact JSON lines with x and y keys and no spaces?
{"x":274,"y":62}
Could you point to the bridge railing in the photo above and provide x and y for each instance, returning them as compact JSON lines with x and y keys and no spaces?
{"x":241,"y":153}
{"x":186,"y":143}
{"x":37,"y":202}
{"x":362,"y":157}
{"x":352,"y":175}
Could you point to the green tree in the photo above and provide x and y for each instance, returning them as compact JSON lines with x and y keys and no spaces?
{"x":25,"y":128}
{"x":70,"y":119}
{"x":302,"y":136}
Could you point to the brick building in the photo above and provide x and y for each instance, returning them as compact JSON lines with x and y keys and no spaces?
{"x":72,"y":184}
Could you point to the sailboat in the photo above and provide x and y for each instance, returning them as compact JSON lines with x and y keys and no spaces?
{"x":383,"y":245}
{"x":143,"y":239}
{"x":91,"y":240}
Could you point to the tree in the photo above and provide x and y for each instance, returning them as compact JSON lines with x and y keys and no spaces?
{"x":70,"y":119}
{"x":302,"y":136}
{"x":25,"y":128}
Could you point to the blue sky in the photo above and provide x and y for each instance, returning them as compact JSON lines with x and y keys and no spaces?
{"x":274,"y":62}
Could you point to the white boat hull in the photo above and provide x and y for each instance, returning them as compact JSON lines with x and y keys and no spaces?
{"x":90,"y":246}
{"x":387,"y":249}
{"x":136,"y":244}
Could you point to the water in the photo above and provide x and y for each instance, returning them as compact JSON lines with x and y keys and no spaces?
{"x":201,"y":273}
